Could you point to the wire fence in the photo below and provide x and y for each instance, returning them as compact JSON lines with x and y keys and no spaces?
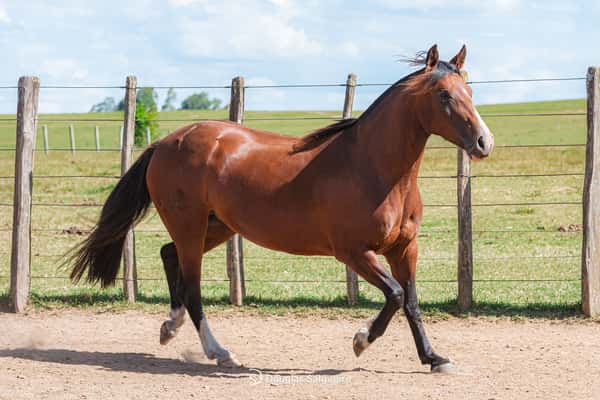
{"x":250,"y":258}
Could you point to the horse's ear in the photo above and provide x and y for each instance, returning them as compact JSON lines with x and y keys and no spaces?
{"x":459,"y":58}
{"x":433,"y":57}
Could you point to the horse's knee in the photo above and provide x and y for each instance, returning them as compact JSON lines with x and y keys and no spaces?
{"x":168,"y":252}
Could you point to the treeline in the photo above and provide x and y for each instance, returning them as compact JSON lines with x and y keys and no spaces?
{"x":146,"y":110}
{"x":149,"y":97}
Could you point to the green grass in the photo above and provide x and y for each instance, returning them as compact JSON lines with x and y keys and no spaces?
{"x":514,"y":244}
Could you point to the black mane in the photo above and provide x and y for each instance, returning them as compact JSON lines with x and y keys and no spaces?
{"x":319,"y":136}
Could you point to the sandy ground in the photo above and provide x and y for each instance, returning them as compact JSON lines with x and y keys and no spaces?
{"x":84,"y":355}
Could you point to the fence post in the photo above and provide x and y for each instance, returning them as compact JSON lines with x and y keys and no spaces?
{"x":46,"y":145}
{"x":72,"y":138}
{"x":351,"y":276}
{"x":235,"y":264}
{"x":148,"y":137}
{"x":590,"y":258}
{"x":97,"y":137}
{"x":465,"y":237}
{"x":127,"y":136}
{"x":20,"y":259}
{"x":465,"y":230}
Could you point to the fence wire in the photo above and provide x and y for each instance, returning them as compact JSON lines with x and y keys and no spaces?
{"x":327,"y":118}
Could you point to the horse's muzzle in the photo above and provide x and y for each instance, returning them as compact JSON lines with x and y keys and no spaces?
{"x":483,"y":146}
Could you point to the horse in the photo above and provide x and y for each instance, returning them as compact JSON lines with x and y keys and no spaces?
{"x":348,"y":190}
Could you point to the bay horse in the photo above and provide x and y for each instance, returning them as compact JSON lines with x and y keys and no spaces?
{"x":348,"y":190}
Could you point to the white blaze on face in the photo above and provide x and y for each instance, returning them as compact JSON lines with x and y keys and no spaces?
{"x":483,"y":126}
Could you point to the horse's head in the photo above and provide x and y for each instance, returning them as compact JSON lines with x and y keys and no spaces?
{"x":446,"y":105}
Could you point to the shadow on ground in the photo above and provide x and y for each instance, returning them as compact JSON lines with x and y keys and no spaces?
{"x":150,"y":364}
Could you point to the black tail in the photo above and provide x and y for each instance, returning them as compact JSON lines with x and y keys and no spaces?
{"x":100,"y":253}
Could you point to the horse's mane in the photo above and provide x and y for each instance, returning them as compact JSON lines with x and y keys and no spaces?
{"x":416,"y":81}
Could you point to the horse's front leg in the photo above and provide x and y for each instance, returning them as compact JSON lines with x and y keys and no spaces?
{"x":367,"y":265}
{"x":403,"y":260}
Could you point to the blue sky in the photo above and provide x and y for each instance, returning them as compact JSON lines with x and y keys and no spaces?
{"x":199,"y":42}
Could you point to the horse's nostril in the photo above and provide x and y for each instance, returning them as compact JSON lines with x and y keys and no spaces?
{"x":481,"y":142}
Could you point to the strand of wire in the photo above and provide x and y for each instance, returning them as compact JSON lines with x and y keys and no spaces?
{"x":319,"y":281}
{"x":506,"y":146}
{"x":425,"y":233}
{"x":420,"y":177}
{"x":301,"y":85}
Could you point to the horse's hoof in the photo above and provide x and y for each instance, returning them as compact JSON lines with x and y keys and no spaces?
{"x":360,"y":341}
{"x":445,"y":368}
{"x":166,"y":333}
{"x":229,"y":362}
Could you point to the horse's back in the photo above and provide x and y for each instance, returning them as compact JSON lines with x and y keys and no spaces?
{"x":246,"y":176}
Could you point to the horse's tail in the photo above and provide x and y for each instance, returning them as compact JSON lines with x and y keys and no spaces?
{"x":100,"y":253}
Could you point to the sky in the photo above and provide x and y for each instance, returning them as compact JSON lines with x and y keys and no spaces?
{"x":200,"y":42}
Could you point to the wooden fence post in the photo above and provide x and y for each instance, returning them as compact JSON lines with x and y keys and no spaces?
{"x":72,"y":138}
{"x":20,"y":260}
{"x":465,"y":230}
{"x":46,"y":144}
{"x":97,"y":137}
{"x":465,"y":233}
{"x":129,"y":271}
{"x":351,"y":276}
{"x":235,"y":264}
{"x":590,"y":258}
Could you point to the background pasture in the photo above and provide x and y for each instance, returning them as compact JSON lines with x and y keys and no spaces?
{"x":523,"y":263}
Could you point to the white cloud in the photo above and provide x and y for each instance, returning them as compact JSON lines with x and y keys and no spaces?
{"x":4,"y":18}
{"x":263,"y":99}
{"x":252,"y":31}
{"x":486,"y":5}
{"x":416,"y":4}
{"x":259,"y":81}
{"x":507,"y":5}
{"x":183,"y":3}
{"x":206,"y":42}
{"x":64,"y":69}
{"x":350,"y":49}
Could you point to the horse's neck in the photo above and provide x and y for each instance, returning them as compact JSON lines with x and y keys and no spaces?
{"x":392,"y":138}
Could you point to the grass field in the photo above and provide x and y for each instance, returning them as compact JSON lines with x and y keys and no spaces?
{"x":523,"y":264}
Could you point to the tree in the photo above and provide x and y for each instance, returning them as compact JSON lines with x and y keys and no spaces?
{"x":148,"y":97}
{"x":168,"y":104}
{"x":145,"y":95}
{"x":200,"y":101}
{"x":107,"y":105}
{"x":145,"y":118}
{"x":146,"y":112}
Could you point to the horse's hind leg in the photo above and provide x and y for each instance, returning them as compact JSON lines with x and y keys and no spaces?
{"x":190,"y":248}
{"x":216,"y":233}
{"x":170,"y":327}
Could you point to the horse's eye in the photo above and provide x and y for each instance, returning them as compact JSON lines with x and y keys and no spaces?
{"x":445,"y":96}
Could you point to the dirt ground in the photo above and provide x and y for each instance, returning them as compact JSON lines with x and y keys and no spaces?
{"x":86,"y":355}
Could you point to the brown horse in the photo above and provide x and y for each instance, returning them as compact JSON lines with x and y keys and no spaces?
{"x":348,"y":190}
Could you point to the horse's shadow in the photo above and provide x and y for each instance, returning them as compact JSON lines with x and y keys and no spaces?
{"x":150,"y":364}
